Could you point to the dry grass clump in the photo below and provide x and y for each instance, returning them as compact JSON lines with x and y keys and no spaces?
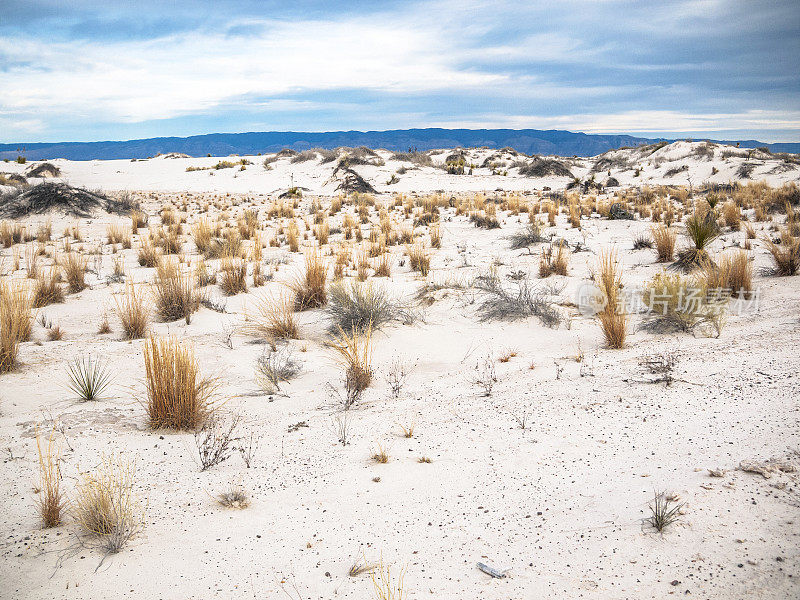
{"x":384,"y":266}
{"x":732,"y":215}
{"x":16,"y":321}
{"x":148,"y":253}
{"x":419,"y":259}
{"x":532,"y":234}
{"x":116,"y":233}
{"x":354,"y":351}
{"x":138,"y":220}
{"x":177,"y":396}
{"x":678,"y":303}
{"x":274,"y":367}
{"x":51,"y":498}
{"x":381,"y":455}
{"x":732,"y":274}
{"x":11,"y":233}
{"x":106,"y":506}
{"x":613,"y":318}
{"x":203,"y":274}
{"x":273,"y":318}
{"x":385,"y":587}
{"x":175,"y":293}
{"x":74,"y":266}
{"x":233,"y":278}
{"x":133,"y":313}
{"x":554,"y":261}
{"x":664,"y":238}
{"x":236,"y":497}
{"x":310,"y":290}
{"x":361,"y":306}
{"x":47,"y":288}
{"x":503,"y":302}
{"x":202,"y":233}
{"x":786,"y":254}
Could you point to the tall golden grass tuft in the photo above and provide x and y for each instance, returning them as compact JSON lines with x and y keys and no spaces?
{"x":436,"y":236}
{"x":133,"y":313}
{"x":47,"y":288}
{"x":737,"y":273}
{"x":274,"y":318}
{"x":354,"y":351}
{"x":74,"y":266}
{"x":311,"y":289}
{"x":202,"y":234}
{"x":175,"y":292}
{"x":419,"y":259}
{"x":177,"y":396}
{"x":16,"y":321}
{"x":117,"y":233}
{"x":732,"y":215}
{"x":554,"y":260}
{"x":233,"y":278}
{"x":664,"y":238}
{"x":384,"y":266}
{"x":786,"y":254}
{"x":293,"y":237}
{"x":148,"y":253}
{"x":138,"y":219}
{"x":51,"y":499}
{"x":613,"y":318}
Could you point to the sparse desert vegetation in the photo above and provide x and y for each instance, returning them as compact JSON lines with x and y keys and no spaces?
{"x":424,"y":369}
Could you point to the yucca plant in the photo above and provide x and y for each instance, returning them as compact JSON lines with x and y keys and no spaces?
{"x":664,"y":511}
{"x":701,"y":231}
{"x":88,"y":379}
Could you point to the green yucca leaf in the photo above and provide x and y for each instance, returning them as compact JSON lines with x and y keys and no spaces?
{"x":88,"y":379}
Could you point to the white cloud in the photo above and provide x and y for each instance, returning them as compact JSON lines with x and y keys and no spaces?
{"x":650,"y":121}
{"x":183,"y":74}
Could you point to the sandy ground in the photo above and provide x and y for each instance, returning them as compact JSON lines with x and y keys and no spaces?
{"x":560,"y":503}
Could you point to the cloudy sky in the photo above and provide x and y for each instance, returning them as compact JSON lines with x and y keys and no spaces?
{"x":72,"y":70}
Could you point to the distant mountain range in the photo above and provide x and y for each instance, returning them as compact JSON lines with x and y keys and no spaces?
{"x":529,"y":141}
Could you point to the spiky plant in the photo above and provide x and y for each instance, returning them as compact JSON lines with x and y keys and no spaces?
{"x":88,"y":379}
{"x":664,"y":511}
{"x":701,"y":231}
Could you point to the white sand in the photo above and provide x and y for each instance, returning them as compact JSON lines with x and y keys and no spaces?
{"x":560,"y":503}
